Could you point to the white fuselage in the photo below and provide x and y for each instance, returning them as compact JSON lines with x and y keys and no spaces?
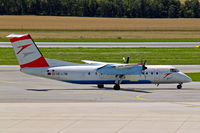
{"x":87,"y":74}
{"x":32,"y":62}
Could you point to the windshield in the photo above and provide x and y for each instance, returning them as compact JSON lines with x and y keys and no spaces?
{"x":174,"y":70}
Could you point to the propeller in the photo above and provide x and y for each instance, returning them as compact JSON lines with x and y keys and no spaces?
{"x":126,"y":61}
{"x":144,"y":65}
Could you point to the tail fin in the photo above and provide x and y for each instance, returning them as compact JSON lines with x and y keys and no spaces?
{"x":26,"y":51}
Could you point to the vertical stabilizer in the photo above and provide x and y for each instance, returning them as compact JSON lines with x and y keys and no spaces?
{"x":26,"y":51}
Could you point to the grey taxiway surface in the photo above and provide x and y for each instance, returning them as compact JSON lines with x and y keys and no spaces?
{"x":110,"y":44}
{"x":32,"y":104}
{"x":19,"y":87}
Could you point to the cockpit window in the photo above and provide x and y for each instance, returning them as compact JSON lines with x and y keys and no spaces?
{"x":174,"y":70}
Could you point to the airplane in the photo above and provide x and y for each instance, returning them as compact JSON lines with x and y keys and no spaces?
{"x":32,"y":62}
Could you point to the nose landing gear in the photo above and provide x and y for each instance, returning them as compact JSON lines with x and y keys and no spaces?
{"x":179,"y":86}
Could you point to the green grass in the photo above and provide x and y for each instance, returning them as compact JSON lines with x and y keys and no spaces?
{"x":4,"y":40}
{"x":162,"y":56}
{"x":112,"y":40}
{"x":194,"y":76}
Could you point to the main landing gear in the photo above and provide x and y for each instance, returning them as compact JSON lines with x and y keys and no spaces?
{"x":118,"y":81}
{"x":116,"y":87}
{"x":179,"y":86}
{"x":100,"y":85}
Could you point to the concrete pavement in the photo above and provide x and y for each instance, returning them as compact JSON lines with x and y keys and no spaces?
{"x":110,"y":44}
{"x":98,"y":118}
{"x":37,"y":105}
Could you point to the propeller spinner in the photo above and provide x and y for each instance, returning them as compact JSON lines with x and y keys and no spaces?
{"x":144,"y":65}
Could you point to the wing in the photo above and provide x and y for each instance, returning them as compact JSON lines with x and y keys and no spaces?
{"x":121,"y":69}
{"x":94,"y":62}
{"x":116,"y":68}
{"x":97,"y":62}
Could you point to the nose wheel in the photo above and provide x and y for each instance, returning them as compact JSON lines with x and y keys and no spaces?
{"x":179,"y":86}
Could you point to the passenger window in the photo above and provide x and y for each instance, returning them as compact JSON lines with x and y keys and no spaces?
{"x":96,"y":73}
{"x":156,"y":73}
{"x":142,"y":72}
{"x":151,"y":73}
{"x":48,"y":73}
{"x":65,"y":73}
{"x":88,"y":73}
{"x":146,"y":73}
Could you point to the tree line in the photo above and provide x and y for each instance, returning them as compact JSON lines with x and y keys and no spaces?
{"x":103,"y":8}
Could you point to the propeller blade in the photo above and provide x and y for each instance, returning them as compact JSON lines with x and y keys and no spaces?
{"x":124,"y":60}
{"x":141,"y":60}
{"x":145,"y":62}
{"x":127,"y":60}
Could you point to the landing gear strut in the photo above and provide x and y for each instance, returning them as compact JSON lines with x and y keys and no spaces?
{"x":100,"y":85}
{"x":179,"y":86}
{"x":118,"y":81}
{"x":116,"y":87}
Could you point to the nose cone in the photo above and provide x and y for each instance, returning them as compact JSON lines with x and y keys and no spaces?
{"x":189,"y":79}
{"x":186,"y":78}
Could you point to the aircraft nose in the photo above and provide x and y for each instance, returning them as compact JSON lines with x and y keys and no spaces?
{"x":186,"y":78}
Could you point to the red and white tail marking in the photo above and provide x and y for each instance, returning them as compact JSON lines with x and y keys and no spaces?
{"x":26,"y":51}
{"x":23,"y":47}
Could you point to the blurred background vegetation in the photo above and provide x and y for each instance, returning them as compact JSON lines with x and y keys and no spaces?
{"x":103,"y":8}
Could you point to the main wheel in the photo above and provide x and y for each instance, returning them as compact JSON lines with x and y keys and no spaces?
{"x":116,"y":87}
{"x":100,"y":85}
{"x":179,"y":86}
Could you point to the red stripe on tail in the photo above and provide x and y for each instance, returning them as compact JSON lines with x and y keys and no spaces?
{"x":19,"y":38}
{"x":40,"y":62}
{"x":23,"y":47}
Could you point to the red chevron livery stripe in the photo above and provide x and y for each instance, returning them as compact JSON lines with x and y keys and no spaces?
{"x":23,"y":47}
{"x":167,"y":75}
{"x":40,"y":62}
